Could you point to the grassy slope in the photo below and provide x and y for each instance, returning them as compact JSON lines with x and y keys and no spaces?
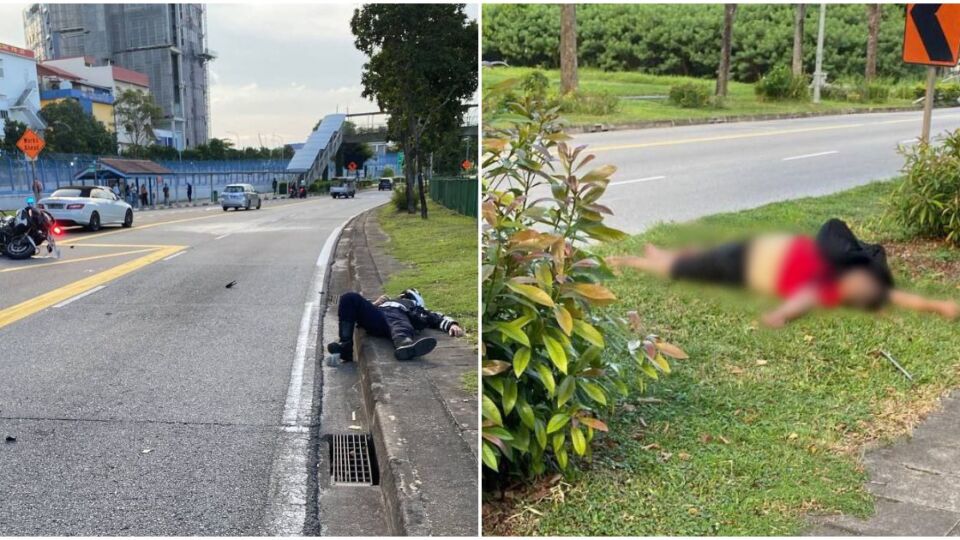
{"x":443,"y":252}
{"x":758,"y":426}
{"x":741,"y":99}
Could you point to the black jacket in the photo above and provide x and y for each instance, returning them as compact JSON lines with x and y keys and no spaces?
{"x":420,"y":316}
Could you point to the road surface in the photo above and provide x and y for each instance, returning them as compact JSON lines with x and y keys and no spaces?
{"x":145,"y":396}
{"x":681,"y":173}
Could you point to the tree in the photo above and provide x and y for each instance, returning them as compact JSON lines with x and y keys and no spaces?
{"x":873,"y":34}
{"x":421,"y":68}
{"x":136,"y":112}
{"x":568,"y":48}
{"x":800,"y":14}
{"x":70,"y":130}
{"x":355,"y":152}
{"x":723,"y":73}
{"x":12,"y":131}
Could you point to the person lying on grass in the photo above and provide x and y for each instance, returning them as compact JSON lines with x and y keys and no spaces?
{"x":833,"y":269}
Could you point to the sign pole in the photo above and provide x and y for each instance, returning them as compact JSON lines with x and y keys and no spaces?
{"x":928,"y":103}
{"x":34,"y":182}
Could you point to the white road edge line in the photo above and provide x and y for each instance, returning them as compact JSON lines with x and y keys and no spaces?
{"x":818,"y":154}
{"x":222,"y":236}
{"x":908,"y":141}
{"x":177,"y":254}
{"x":637,"y":180}
{"x":79,"y":296}
{"x":286,"y":506}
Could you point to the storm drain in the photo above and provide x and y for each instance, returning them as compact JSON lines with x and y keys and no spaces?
{"x":352,"y":461}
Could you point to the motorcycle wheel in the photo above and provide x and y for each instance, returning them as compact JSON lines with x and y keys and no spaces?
{"x":19,"y":249}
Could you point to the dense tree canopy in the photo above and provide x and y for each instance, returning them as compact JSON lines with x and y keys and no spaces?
{"x":684,"y":39}
{"x":70,"y":130}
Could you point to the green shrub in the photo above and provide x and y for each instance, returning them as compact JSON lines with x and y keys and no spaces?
{"x":319,"y":186}
{"x":780,"y":84}
{"x":875,"y":92}
{"x":553,"y":363}
{"x":593,"y":103}
{"x":835,"y":92}
{"x":399,"y":197}
{"x":927,"y":202}
{"x":535,"y":84}
{"x":690,"y":95}
{"x":945,"y":93}
{"x":282,"y":188}
{"x":386,"y":173}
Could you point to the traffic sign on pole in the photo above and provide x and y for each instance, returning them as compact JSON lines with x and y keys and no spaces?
{"x":931,"y":34}
{"x":31,"y":144}
{"x":400,"y":160}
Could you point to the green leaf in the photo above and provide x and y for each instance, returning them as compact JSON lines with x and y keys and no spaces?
{"x":578,"y":440}
{"x":661,"y":363}
{"x":562,"y":458}
{"x":514,"y":330}
{"x":546,"y":377}
{"x":491,"y":412}
{"x":494,"y":367}
{"x":526,"y":413}
{"x":595,"y":392}
{"x":557,"y":355}
{"x":540,"y":433}
{"x":557,"y":422}
{"x":498,"y":432}
{"x":536,"y":294}
{"x":521,"y":440}
{"x":566,"y":389}
{"x":649,"y":370}
{"x":564,"y":319}
{"x":509,"y":395}
{"x":489,"y":457}
{"x":520,"y":361}
{"x":588,"y":332}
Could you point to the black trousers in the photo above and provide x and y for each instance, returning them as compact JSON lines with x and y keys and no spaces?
{"x":390,"y":323}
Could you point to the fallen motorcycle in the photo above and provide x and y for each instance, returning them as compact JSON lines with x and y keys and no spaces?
{"x":22,"y":234}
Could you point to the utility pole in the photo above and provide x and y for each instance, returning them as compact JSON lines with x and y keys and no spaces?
{"x":818,"y":70}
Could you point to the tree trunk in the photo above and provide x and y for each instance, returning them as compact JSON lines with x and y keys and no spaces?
{"x":423,"y":195}
{"x":408,"y":165}
{"x":723,"y":73}
{"x":568,"y":48}
{"x":873,"y":31}
{"x":798,"y":19}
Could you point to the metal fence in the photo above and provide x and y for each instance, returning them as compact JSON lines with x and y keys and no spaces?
{"x":458,"y":194}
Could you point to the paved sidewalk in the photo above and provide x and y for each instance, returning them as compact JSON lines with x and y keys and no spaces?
{"x":423,"y":421}
{"x":916,"y":483}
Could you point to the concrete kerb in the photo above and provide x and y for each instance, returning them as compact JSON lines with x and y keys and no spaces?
{"x":427,"y":470}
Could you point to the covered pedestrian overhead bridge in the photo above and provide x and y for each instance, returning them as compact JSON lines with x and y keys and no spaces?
{"x":315,"y":160}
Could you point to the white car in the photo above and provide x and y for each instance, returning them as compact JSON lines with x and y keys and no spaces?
{"x":88,"y":206}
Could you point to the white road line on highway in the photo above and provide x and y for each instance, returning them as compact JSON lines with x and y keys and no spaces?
{"x":637,"y":180}
{"x":222,"y":236}
{"x":177,"y":254}
{"x":79,"y":296}
{"x":805,"y":156}
{"x":908,"y":141}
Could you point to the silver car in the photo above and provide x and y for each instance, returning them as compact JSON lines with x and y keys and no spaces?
{"x":240,"y":196}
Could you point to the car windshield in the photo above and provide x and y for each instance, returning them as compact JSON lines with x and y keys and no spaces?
{"x":70,"y":193}
{"x":233,"y":189}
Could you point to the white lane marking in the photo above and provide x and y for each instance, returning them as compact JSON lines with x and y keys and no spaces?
{"x":222,"y":236}
{"x":79,"y":296}
{"x":908,"y":141}
{"x":637,"y":180}
{"x":805,"y":156}
{"x":292,"y":405}
{"x":177,"y":254}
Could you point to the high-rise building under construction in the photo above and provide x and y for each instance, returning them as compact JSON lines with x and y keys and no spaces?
{"x":167,"y":42}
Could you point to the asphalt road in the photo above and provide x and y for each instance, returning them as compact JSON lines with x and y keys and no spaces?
{"x":681,"y":173}
{"x":152,"y":405}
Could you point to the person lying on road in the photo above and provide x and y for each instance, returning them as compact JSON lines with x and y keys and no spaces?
{"x":833,"y":269}
{"x":399,"y":319}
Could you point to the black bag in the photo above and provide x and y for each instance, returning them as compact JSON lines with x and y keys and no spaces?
{"x":844,"y":251}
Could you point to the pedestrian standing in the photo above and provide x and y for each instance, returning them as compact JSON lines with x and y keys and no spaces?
{"x":116,"y":189}
{"x":274,"y":186}
{"x":143,"y":195}
{"x":189,"y":192}
{"x":166,"y":195}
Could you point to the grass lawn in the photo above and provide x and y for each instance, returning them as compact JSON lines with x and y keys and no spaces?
{"x":759,"y":426}
{"x":442,"y":252}
{"x":741,"y":99}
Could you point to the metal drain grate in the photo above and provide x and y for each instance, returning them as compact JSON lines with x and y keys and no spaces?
{"x":352,"y":460}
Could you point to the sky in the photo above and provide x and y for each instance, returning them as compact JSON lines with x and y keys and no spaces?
{"x":279,"y":67}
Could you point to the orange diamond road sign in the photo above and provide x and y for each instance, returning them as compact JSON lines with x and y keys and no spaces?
{"x":31,"y":144}
{"x":467,"y":164}
{"x":932,"y":34}
{"x":352,"y":166}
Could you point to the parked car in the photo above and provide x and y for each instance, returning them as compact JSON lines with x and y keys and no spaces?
{"x":239,"y":196}
{"x":87,"y":206}
{"x":385,"y":184}
{"x":347,"y":188}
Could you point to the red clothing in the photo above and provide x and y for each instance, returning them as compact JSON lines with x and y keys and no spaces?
{"x":804,"y":266}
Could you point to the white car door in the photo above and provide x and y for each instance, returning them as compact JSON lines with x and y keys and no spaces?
{"x":105,"y":206}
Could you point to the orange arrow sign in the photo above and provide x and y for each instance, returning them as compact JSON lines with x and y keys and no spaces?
{"x":932,"y":34}
{"x":31,"y":144}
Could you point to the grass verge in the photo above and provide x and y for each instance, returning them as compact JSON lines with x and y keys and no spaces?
{"x":759,"y":426}
{"x":442,"y":254}
{"x":740,"y":101}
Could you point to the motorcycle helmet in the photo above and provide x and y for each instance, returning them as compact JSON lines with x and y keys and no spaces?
{"x":414,"y":296}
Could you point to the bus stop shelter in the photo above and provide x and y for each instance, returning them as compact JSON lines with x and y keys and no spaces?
{"x":129,"y":175}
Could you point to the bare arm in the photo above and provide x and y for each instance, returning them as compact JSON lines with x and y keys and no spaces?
{"x":945,"y":308}
{"x":795,"y":307}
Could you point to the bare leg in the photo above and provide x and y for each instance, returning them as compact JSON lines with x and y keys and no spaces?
{"x":655,"y":261}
